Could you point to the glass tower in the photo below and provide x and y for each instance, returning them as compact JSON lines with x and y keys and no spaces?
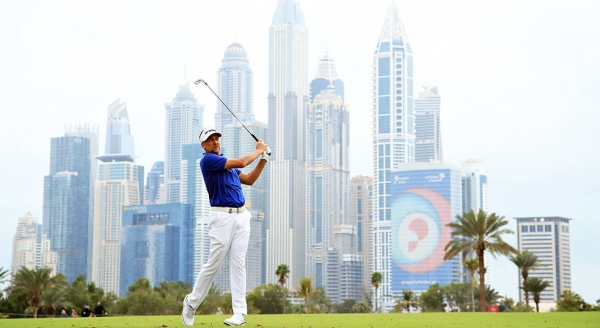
{"x":287,"y":98}
{"x":394,"y":134}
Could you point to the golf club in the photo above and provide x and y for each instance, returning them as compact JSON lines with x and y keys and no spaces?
{"x":253,"y":136}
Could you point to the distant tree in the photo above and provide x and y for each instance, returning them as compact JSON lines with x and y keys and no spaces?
{"x":471,"y":265}
{"x":521,"y":307}
{"x":266,"y":299}
{"x":77,"y":293}
{"x":319,"y":302}
{"x":478,"y":233}
{"x":54,"y":300}
{"x":525,"y":261}
{"x":536,"y":286}
{"x":305,"y":290}
{"x":33,"y":283}
{"x":570,"y":301}
{"x":432,"y":300}
{"x":408,"y":300}
{"x":491,"y":296}
{"x":4,"y":274}
{"x":375,"y":282}
{"x":282,"y":273}
{"x":457,"y":296}
{"x":508,"y":303}
{"x":344,"y":307}
{"x":361,"y":307}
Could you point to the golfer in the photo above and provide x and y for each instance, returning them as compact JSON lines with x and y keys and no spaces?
{"x":229,"y":227}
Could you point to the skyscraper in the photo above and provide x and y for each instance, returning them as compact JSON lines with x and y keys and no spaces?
{"x":118,"y":185}
{"x":425,"y":198}
{"x":118,"y":133}
{"x":157,"y":243}
{"x":155,"y":185}
{"x":66,"y":203}
{"x":120,"y":182}
{"x":475,"y":186}
{"x":31,"y":248}
{"x":428,"y":142}
{"x":193,"y":192}
{"x":91,"y":132}
{"x":550,"y":239}
{"x":286,"y":218}
{"x":235,"y":87}
{"x":326,"y":78}
{"x":183,"y":122}
{"x":475,"y":198}
{"x":394,"y":133}
{"x":361,"y":212}
{"x":328,"y":176}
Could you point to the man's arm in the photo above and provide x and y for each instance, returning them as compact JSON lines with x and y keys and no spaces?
{"x":252,"y":176}
{"x":239,"y":163}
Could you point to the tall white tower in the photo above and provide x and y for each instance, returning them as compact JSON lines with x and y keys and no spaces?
{"x":286,"y":218}
{"x":428,"y":143}
{"x":183,"y":122}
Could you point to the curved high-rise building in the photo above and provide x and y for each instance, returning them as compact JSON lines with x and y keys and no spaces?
{"x":288,"y":96}
{"x":118,"y":134}
{"x":235,"y":87}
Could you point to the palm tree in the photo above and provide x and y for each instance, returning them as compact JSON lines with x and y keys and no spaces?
{"x":305,"y":290}
{"x":53,"y":299}
{"x":33,"y":283}
{"x":478,"y":233}
{"x":408,"y":300}
{"x":3,"y":275}
{"x":282,"y":274}
{"x":375,"y":282}
{"x":525,"y":261}
{"x":536,"y":286}
{"x":471,"y":266}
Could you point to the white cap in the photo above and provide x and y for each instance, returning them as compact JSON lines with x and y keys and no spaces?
{"x":207,"y":132}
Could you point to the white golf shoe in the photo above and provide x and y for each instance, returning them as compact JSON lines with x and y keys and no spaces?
{"x":187,"y":314}
{"x":235,"y":320}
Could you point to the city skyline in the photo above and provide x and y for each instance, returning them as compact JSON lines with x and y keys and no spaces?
{"x":530,"y":107}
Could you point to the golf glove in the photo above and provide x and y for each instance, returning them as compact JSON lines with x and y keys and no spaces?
{"x":265,"y":156}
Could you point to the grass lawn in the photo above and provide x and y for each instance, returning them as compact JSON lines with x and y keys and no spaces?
{"x":421,"y":320}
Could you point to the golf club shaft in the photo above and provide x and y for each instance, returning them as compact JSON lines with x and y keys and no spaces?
{"x":232,"y":113}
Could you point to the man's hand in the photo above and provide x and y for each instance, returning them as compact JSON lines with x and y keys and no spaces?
{"x":260,"y":145}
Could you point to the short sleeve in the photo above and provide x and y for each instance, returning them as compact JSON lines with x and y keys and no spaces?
{"x":213,"y":162}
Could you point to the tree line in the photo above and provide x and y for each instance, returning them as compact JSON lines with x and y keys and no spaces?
{"x":36,"y":292}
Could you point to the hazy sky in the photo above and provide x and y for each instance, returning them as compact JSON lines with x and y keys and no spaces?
{"x":518,"y":79}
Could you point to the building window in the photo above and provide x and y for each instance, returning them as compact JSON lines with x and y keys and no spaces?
{"x":540,"y":228}
{"x":531,"y":228}
{"x":524,"y":228}
{"x":548,"y":228}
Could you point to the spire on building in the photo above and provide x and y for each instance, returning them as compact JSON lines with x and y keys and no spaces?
{"x":288,"y":12}
{"x":393,"y":28}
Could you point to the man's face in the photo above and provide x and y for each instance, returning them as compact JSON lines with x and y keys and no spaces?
{"x":212,"y":144}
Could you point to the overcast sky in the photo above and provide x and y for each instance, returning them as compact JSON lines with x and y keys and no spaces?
{"x":518,"y":79}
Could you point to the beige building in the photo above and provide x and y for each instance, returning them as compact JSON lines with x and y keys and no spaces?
{"x":548,"y":238}
{"x":31,"y":249}
{"x":117,"y":186}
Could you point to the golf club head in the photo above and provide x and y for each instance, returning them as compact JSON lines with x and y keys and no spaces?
{"x":199,"y":81}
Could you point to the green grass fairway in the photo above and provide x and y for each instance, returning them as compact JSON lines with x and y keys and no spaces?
{"x":421,"y":320}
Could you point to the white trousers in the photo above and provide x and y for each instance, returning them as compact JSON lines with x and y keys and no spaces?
{"x":229,"y":234}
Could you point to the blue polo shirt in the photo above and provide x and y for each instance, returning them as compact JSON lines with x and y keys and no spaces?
{"x":223,"y":185}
